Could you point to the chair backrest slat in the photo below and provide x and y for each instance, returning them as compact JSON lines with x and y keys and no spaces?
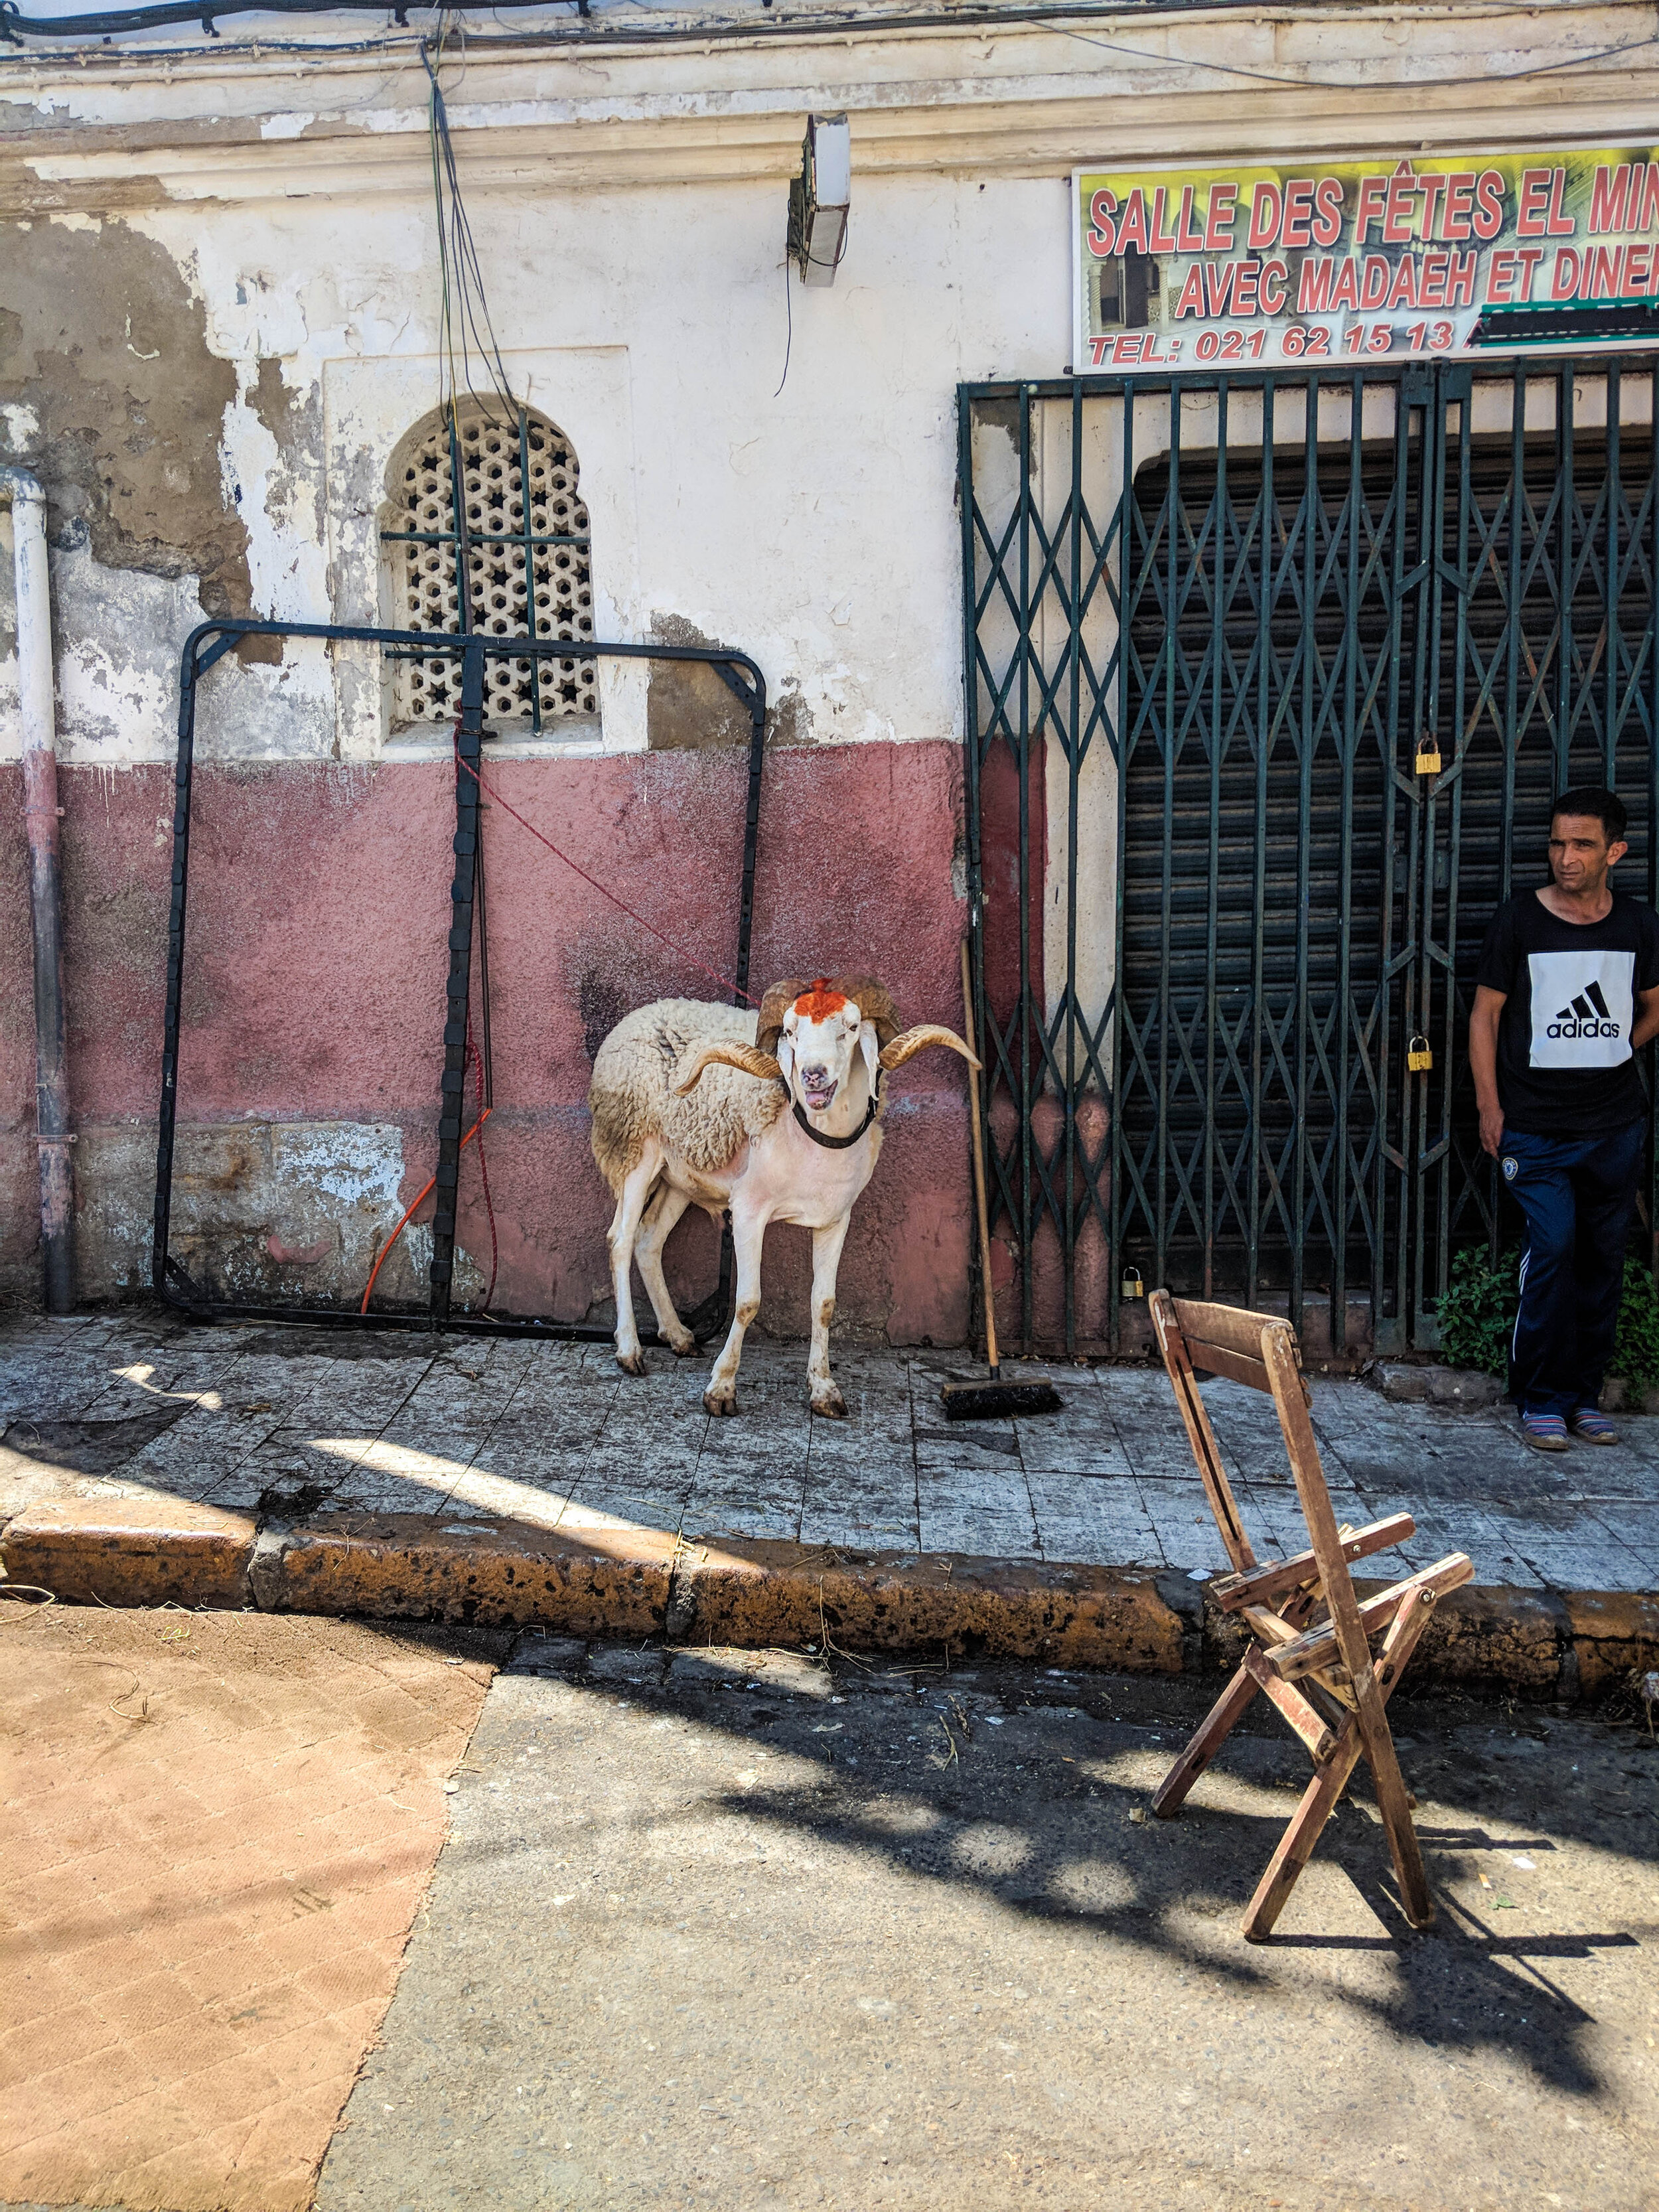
{"x":1226,"y":1341}
{"x":1231,"y":1326}
{"x":1220,"y":1360}
{"x":1200,"y":1436}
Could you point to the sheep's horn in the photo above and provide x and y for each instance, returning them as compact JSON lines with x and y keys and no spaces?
{"x":729,"y":1053}
{"x":906,"y":1046}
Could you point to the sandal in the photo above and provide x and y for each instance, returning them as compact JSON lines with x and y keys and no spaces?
{"x":1594,"y":1426}
{"x":1545,"y":1431}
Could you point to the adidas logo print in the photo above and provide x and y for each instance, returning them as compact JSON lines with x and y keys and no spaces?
{"x":1588,"y":1015}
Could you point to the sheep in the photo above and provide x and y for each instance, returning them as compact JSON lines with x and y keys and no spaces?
{"x":784,"y":1125}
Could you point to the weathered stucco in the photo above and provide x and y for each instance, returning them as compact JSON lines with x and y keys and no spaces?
{"x":103,"y":341}
{"x":20,"y":1187}
{"x":689,"y":707}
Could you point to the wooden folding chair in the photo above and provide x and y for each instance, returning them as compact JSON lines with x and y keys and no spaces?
{"x":1326,"y":1659}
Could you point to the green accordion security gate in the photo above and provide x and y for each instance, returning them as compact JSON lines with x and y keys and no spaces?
{"x":1225,"y":905}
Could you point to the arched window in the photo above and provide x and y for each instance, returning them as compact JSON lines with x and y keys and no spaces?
{"x":526,"y":558}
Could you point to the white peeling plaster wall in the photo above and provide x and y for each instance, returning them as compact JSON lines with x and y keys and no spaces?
{"x":814,"y":528}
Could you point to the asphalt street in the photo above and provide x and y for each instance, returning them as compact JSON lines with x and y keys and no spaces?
{"x":751,"y":1930}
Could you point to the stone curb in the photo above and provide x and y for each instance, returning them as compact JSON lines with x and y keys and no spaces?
{"x":1467,"y":1390}
{"x":633,"y":1583}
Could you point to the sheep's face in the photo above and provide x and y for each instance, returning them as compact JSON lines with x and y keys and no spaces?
{"x":822,"y":1041}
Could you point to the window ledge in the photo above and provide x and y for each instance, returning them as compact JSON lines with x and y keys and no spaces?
{"x":578,"y":736}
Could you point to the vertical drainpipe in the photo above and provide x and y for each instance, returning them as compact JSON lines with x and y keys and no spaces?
{"x":36,"y":689}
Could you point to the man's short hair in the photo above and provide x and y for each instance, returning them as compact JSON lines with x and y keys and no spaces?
{"x":1601,"y":806}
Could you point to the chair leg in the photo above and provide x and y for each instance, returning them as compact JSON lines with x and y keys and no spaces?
{"x":1367,"y":1734}
{"x":1392,"y":1800}
{"x":1213,"y":1732}
{"x":1296,"y":1845}
{"x":1394,"y":1806}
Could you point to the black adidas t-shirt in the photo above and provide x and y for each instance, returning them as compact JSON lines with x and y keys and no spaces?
{"x":1564,"y":1064}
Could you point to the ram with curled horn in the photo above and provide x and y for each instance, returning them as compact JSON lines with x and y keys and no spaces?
{"x":776,"y":1116}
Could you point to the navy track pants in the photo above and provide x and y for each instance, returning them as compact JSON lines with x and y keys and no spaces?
{"x":1578,"y":1195}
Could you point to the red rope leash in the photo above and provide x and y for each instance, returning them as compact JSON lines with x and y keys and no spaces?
{"x":386,"y":1249}
{"x":725,"y":981}
{"x":484,"y":1113}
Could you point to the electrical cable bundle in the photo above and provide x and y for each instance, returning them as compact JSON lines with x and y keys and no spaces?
{"x":464,"y":313}
{"x":465,"y":331}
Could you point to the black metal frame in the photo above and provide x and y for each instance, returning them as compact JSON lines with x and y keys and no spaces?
{"x":1259,"y":635}
{"x":209,"y":644}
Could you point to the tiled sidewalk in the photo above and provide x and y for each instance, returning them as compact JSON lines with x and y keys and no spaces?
{"x":293,"y":1422}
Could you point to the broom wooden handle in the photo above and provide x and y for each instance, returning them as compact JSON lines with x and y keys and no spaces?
{"x":979,"y":1170}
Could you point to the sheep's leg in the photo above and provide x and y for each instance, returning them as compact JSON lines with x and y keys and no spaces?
{"x":826,"y":1260}
{"x":747,"y":1232}
{"x":631,"y":1202}
{"x":660,"y":1216}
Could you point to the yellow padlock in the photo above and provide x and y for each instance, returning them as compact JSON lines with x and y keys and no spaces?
{"x":1132,"y":1286}
{"x":1419,"y":1059}
{"x":1428,"y":757}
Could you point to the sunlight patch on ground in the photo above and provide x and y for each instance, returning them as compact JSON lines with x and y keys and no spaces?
{"x":985,"y":1848}
{"x":139,"y":1374}
{"x":454,"y":1483}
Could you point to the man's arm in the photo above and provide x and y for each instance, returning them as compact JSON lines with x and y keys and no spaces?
{"x":1483,"y":1058}
{"x":1647,"y":1019}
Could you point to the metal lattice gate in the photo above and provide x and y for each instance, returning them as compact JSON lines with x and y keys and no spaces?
{"x":1211,"y":625}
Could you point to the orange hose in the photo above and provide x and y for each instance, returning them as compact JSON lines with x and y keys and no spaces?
{"x":424,"y":1195}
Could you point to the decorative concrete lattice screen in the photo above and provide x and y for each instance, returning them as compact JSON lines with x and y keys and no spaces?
{"x":521,"y":554}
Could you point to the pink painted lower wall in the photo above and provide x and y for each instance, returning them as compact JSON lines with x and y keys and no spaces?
{"x":313,"y":1008}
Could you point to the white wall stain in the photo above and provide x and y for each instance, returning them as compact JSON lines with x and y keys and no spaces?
{"x":347,"y":1163}
{"x":119,"y":711}
{"x":288,"y":562}
{"x":121,"y":635}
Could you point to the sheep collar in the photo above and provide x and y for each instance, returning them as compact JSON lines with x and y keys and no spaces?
{"x":841,"y":1143}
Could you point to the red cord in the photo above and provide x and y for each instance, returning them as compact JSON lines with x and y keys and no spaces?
{"x":484,"y":1113}
{"x":725,"y":981}
{"x":386,"y":1249}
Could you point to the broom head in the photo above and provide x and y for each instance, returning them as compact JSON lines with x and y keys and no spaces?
{"x":993,"y":1402}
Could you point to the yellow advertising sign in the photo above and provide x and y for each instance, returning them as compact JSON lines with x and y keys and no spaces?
{"x":1350,"y":260}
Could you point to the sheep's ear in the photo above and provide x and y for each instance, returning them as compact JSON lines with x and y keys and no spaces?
{"x":870,"y":1046}
{"x":786,"y":1057}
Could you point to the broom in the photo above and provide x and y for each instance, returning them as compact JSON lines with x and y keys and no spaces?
{"x":985,"y":1401}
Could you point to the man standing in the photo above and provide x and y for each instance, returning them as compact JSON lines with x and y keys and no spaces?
{"x":1567,"y":989}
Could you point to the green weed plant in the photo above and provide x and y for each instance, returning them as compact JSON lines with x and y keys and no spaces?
{"x":1477,"y":1318}
{"x":1477,"y":1314}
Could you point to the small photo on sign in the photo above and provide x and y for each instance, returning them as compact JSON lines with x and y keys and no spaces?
{"x":1124,"y":292}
